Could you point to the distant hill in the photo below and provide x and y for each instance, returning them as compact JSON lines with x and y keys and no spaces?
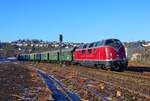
{"x":12,"y":49}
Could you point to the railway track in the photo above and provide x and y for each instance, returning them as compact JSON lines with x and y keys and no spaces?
{"x":94,"y":95}
{"x":125,"y":73}
{"x":131,"y":74}
{"x":142,"y":91}
{"x":60,"y":92}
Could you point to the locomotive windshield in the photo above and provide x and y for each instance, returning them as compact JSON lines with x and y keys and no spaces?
{"x":100,"y":43}
{"x":113,"y":42}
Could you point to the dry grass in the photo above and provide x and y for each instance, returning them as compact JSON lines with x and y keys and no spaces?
{"x":17,"y":82}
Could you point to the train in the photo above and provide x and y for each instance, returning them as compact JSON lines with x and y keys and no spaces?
{"x":106,"y":54}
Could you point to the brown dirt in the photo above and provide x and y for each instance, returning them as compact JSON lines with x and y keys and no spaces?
{"x":17,"y":82}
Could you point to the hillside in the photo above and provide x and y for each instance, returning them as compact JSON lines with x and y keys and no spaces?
{"x":12,"y":49}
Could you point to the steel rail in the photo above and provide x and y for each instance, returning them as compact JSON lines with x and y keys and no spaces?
{"x":71,"y":96}
{"x":97,"y":94}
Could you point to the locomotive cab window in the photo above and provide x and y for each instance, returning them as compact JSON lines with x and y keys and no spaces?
{"x":109,"y":42}
{"x":114,"y":43}
{"x":117,"y":43}
{"x":100,"y":43}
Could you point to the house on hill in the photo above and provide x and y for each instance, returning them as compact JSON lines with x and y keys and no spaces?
{"x":133,"y":50}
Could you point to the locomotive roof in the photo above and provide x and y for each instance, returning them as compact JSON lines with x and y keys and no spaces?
{"x":101,"y":43}
{"x":87,"y":45}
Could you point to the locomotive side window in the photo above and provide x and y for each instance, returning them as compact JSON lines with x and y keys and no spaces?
{"x":83,"y":51}
{"x":89,"y":51}
{"x":94,"y":51}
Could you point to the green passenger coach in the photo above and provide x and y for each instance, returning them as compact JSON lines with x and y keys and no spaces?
{"x":44,"y":56}
{"x":67,"y":55}
{"x":38,"y":57}
{"x":32,"y":56}
{"x":53,"y":56}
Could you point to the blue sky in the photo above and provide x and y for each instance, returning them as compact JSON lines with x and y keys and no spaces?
{"x":77,"y":20}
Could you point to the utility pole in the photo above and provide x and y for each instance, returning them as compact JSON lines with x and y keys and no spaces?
{"x":60,"y":48}
{"x":0,"y":44}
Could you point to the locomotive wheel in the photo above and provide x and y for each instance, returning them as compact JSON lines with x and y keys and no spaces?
{"x":117,"y":68}
{"x":105,"y":67}
{"x":102,"y":67}
{"x":96,"y":66}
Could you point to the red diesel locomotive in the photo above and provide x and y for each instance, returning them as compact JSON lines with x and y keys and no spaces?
{"x":107,"y":54}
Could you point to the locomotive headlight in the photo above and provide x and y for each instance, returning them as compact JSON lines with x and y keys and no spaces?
{"x":110,"y":55}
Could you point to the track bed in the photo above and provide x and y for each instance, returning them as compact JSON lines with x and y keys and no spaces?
{"x":95,"y":84}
